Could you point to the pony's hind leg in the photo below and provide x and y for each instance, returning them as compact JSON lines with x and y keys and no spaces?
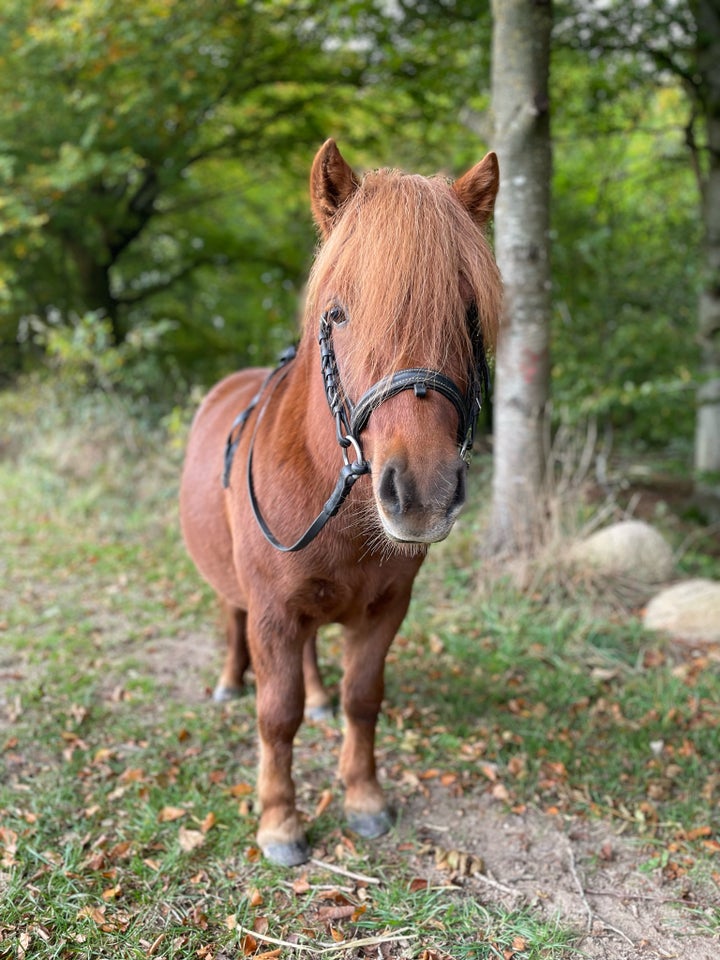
{"x":317,"y":702}
{"x":237,"y":658}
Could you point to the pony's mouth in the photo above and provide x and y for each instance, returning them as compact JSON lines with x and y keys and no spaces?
{"x":433,"y":533}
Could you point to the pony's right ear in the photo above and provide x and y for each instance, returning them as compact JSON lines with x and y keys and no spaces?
{"x":332,"y":181}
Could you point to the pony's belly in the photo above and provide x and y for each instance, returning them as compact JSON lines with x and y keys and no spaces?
{"x":203,"y":514}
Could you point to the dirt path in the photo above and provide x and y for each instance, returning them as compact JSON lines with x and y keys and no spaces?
{"x":581,"y":872}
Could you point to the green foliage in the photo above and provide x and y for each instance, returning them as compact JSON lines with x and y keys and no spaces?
{"x":626,"y":247}
{"x":125,"y":121}
{"x":84,"y":356}
{"x":153,"y":163}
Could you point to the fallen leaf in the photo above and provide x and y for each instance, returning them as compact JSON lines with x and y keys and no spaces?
{"x":112,"y":892}
{"x":199,"y":918}
{"x":459,"y":862}
{"x":301,"y":884}
{"x":418,"y":883}
{"x":336,"y":913}
{"x":429,"y":774}
{"x":96,"y":914}
{"x":190,"y":839}
{"x":208,"y":822}
{"x":132,"y":775}
{"x":168,"y":814}
{"x":324,"y":802}
{"x":489,"y":770}
{"x":120,"y":851}
{"x":500,"y":792}
{"x":240,"y":790}
{"x":698,"y":832}
{"x":254,"y":896}
{"x":154,"y":946}
{"x":248,"y":944}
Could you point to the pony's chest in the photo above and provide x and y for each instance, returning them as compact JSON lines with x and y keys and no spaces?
{"x":356,"y":598}
{"x":322,"y":598}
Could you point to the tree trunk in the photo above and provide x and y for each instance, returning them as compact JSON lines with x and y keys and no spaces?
{"x":520,"y":100}
{"x":707,"y":432}
{"x":95,"y":291}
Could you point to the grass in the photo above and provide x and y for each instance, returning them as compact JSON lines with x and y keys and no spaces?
{"x":126,"y":803}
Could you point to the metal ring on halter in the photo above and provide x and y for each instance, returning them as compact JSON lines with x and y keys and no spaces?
{"x":354,"y":442}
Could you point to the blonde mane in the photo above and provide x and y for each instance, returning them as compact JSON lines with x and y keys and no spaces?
{"x":405,"y":260}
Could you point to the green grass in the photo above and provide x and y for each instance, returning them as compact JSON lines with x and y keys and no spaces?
{"x":126,"y":808}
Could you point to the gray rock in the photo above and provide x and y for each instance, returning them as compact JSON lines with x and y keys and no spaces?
{"x":689,"y":611}
{"x":630,"y":549}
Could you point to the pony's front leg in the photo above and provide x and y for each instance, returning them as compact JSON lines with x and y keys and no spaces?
{"x":276,"y":653}
{"x":362,"y":692}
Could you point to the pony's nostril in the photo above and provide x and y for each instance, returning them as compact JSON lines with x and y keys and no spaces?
{"x":458,"y":498}
{"x":388,"y":491}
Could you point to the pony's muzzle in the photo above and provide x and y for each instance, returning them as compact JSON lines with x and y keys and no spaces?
{"x":420,"y":506}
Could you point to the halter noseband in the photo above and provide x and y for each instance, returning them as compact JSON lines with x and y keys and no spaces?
{"x":352,"y":418}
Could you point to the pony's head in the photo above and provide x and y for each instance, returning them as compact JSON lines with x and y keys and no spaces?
{"x":410,"y":282}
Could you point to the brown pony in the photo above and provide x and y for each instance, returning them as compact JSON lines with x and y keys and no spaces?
{"x":404,"y":297}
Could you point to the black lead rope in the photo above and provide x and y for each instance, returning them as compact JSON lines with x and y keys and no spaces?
{"x":351,"y":419}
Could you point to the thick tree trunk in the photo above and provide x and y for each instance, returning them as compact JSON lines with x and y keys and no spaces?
{"x":707,"y":433}
{"x":520,"y":75}
{"x":94,"y":286}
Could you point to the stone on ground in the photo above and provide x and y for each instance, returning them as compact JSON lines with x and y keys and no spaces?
{"x":631,"y":548}
{"x":689,"y":611}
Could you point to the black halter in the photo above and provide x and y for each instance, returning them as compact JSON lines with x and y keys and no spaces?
{"x":352,"y":418}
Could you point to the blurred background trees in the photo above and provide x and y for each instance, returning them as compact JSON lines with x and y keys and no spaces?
{"x":154,"y":158}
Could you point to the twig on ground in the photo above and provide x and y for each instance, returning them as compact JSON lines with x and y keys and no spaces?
{"x":344,"y":873}
{"x":318,"y":887}
{"x":588,"y":909}
{"x":624,"y":895}
{"x":496,"y":885}
{"x":322,"y":948}
{"x":579,"y":886}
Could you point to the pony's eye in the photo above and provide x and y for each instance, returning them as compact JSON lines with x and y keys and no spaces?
{"x":337,"y":315}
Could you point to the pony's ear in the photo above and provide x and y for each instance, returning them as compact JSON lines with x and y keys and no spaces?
{"x":332,"y":181}
{"x":477,"y":189}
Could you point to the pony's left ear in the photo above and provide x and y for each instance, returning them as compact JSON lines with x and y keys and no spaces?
{"x":332,"y":181}
{"x":477,"y":189}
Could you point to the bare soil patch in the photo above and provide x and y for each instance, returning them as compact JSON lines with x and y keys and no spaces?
{"x":583,"y":872}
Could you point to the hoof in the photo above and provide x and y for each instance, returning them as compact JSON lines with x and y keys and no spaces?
{"x":370,"y":825}
{"x":287,"y":854}
{"x":223,"y":694}
{"x":319,"y":713}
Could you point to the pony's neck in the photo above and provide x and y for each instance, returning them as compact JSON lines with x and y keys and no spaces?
{"x":308,"y":411}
